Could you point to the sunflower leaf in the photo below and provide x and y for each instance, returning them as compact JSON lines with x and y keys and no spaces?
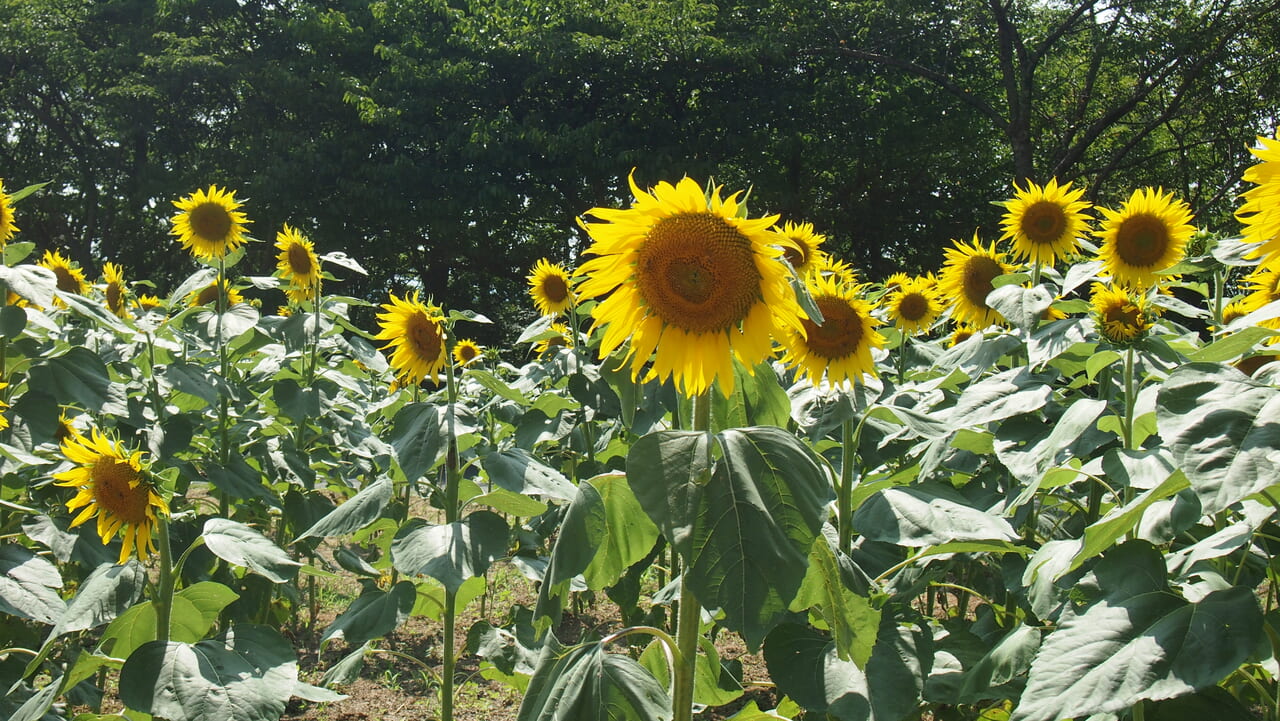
{"x":357,"y":512}
{"x":33,"y":282}
{"x":241,"y":545}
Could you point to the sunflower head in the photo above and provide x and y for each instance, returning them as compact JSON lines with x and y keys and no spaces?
{"x":415,"y":335}
{"x":70,"y":277}
{"x":7,"y":228}
{"x":562,"y":339}
{"x":896,"y":280}
{"x":297,"y":263}
{"x":840,"y":348}
{"x":465,"y":351}
{"x":210,"y":224}
{"x":914,"y":306}
{"x":116,"y":292}
{"x":691,"y":281}
{"x":962,"y":333}
{"x":113,"y":486}
{"x":1147,"y":235}
{"x":801,"y":250}
{"x":4,"y":421}
{"x":208,"y":295}
{"x":1260,"y":212}
{"x":550,"y":287}
{"x":1122,"y":313}
{"x":1045,"y":222}
{"x":967,"y":279}
{"x":146,"y":302}
{"x":829,"y":266}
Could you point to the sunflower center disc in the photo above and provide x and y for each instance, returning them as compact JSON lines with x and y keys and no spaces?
{"x":979,"y":271}
{"x":840,"y":333}
{"x":299,"y":260}
{"x":697,"y":272}
{"x":1044,"y":222}
{"x":66,"y":281}
{"x":1142,"y":240}
{"x":425,"y":337}
{"x":913,"y":306}
{"x":555,"y":289}
{"x":207,"y":296}
{"x":796,"y":254}
{"x":210,"y":221}
{"x":113,"y":297}
{"x":1126,"y":314}
{"x":117,"y":490}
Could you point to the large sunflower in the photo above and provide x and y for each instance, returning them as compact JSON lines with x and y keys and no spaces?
{"x":415,"y":335}
{"x":70,"y":277}
{"x":7,"y":228}
{"x":117,"y":300}
{"x":465,"y":351}
{"x":112,"y":486}
{"x":914,"y":306}
{"x":1147,"y":235}
{"x":1122,"y":313}
{"x":297,"y":262}
{"x":550,"y":287}
{"x":689,"y":282}
{"x":209,"y":294}
{"x":1260,"y":212}
{"x":841,"y":347}
{"x":802,"y":251}
{"x":1045,"y":222}
{"x":966,"y":281}
{"x":210,"y":225}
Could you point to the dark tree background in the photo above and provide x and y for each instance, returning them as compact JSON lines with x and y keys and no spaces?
{"x":451,"y":144}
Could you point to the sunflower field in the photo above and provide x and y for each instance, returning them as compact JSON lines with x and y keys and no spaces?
{"x":1036,"y":485}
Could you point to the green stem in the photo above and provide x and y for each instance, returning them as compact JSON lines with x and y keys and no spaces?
{"x":163,"y":602}
{"x":1129,"y":399}
{"x":224,"y":431}
{"x":453,"y":479}
{"x":844,"y":502}
{"x":1035,"y":274}
{"x":689,"y":616}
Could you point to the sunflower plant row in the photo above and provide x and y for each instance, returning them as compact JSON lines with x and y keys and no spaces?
{"x":1038,"y":485}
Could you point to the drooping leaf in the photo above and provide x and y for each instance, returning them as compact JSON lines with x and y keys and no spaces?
{"x":918,"y":516}
{"x":80,"y":377}
{"x":355,"y":513}
{"x":516,"y":470}
{"x":241,"y":545}
{"x":1006,"y":394}
{"x":107,"y":592}
{"x":1022,"y":307}
{"x":33,"y":282}
{"x":195,"y":609}
{"x":417,"y":435}
{"x":583,"y":683}
{"x":829,"y":587}
{"x":452,"y":552}
{"x":373,"y":615}
{"x":27,"y":585}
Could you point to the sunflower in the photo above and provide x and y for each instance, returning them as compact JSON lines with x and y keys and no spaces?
{"x":1231,"y":311}
{"x":70,"y":277}
{"x":563,"y":338}
{"x":415,"y":335}
{"x":966,"y":280}
{"x":802,"y":251}
{"x":465,"y":351}
{"x":841,"y":346}
{"x":550,"y":287}
{"x":7,"y":228}
{"x":1147,"y":235}
{"x":896,"y":281}
{"x":1122,"y":313}
{"x":297,"y":263}
{"x":1260,"y":212}
{"x":4,"y":422}
{"x":116,"y":292}
{"x":113,"y":486}
{"x":1045,"y":222}
{"x":962,"y":333}
{"x":828,"y":265}
{"x":209,"y":294}
{"x":914,"y":306}
{"x":146,"y":302}
{"x":689,"y":282}
{"x":210,"y":225}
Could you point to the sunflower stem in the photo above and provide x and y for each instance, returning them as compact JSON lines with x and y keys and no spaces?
{"x":163,"y":602}
{"x":844,"y":502}
{"x":224,"y":433}
{"x":1035,"y":273}
{"x":1129,"y":400}
{"x":689,"y":614}
{"x":451,"y":511}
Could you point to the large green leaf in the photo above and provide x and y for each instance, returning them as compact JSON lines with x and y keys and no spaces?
{"x":745,"y":535}
{"x":715,"y":682}
{"x":109,"y":591}
{"x":417,"y":435}
{"x":1138,"y":641}
{"x":829,"y":588}
{"x":80,"y":377}
{"x":516,"y":470}
{"x":1010,"y":393}
{"x":241,"y":545}
{"x":1220,"y":427}
{"x":979,"y":670}
{"x":452,"y":552}
{"x":583,"y":683}
{"x":1029,"y":457}
{"x":27,"y":585}
{"x":195,"y":609}
{"x":357,"y":512}
{"x":373,"y":615}
{"x":33,"y":282}
{"x":919,"y":516}
{"x":1022,"y":307}
{"x":246,"y":675}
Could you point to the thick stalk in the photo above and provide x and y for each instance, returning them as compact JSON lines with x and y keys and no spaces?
{"x":844,"y":502}
{"x":224,"y":431}
{"x":163,"y":602}
{"x":690,"y":612}
{"x":451,"y":511}
{"x":1130,"y":400}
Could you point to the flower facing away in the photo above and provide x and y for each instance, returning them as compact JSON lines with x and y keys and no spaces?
{"x":1045,"y":222}
{"x":209,"y":294}
{"x":1122,"y":313}
{"x":113,"y":487}
{"x":465,"y":351}
{"x":115,"y":290}
{"x":415,"y":336}
{"x":914,"y":306}
{"x":689,"y":282}
{"x":841,"y":346}
{"x":210,"y":224}
{"x":1260,"y":212}
{"x":966,"y":281}
{"x":7,"y":228}
{"x":297,"y":263}
{"x":550,"y":287}
{"x":70,"y":277}
{"x":802,"y":251}
{"x":562,"y":339}
{"x":1147,"y":235}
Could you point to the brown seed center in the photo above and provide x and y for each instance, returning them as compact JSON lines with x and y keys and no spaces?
{"x":67,"y":282}
{"x":425,"y":337}
{"x":913,"y":306}
{"x":1142,"y":240}
{"x":1044,"y":222}
{"x":979,"y":271}
{"x":299,"y":260}
{"x":555,"y":289}
{"x":117,"y":489}
{"x":210,"y":221}
{"x":840,"y":334}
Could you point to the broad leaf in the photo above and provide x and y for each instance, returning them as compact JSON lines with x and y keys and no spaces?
{"x":357,"y":512}
{"x":417,"y":435}
{"x":33,"y":282}
{"x":1022,"y":307}
{"x":195,"y":609}
{"x":917,"y":517}
{"x":829,"y":588}
{"x":241,"y":545}
{"x":517,"y":470}
{"x":583,"y":683}
{"x":80,"y":377}
{"x":453,"y":552}
{"x":1010,"y":393}
{"x":109,"y":591}
{"x":27,"y":585}
{"x":372,"y":615}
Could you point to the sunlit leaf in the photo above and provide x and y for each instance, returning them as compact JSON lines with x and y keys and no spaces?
{"x":452,"y":552}
{"x":241,"y":545}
